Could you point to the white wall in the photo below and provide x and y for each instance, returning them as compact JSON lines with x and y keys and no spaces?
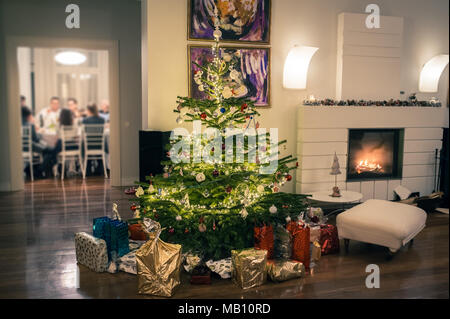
{"x":304,"y":22}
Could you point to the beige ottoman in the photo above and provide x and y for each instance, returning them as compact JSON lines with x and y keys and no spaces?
{"x":381,"y":222}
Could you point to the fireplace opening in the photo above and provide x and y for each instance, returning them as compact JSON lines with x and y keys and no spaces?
{"x":375,"y":154}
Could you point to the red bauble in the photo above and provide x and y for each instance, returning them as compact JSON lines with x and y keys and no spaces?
{"x":133,"y":207}
{"x":228,"y":189}
{"x":186,"y":231}
{"x":214,"y":226}
{"x":201,"y":220}
{"x":296,"y":164}
{"x":215,"y":173}
{"x":288,"y":178}
{"x":203,"y":116}
{"x":171,"y":230}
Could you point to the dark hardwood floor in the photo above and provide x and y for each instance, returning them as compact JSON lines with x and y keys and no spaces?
{"x":37,"y":256}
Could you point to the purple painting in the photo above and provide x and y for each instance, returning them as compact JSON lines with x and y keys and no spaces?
{"x":252,"y":65}
{"x":239,"y":20}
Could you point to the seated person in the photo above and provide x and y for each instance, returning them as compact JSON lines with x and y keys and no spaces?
{"x":48,"y":117}
{"x":37,"y":145}
{"x":72,"y":105}
{"x":93,"y":116}
{"x":104,"y":110}
{"x":65,"y":119}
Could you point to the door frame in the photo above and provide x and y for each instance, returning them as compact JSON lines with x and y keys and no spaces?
{"x":13,"y":99}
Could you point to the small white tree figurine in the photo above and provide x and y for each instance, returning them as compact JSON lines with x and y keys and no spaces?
{"x":335,"y":170}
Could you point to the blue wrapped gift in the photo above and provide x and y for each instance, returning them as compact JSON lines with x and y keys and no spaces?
{"x":115,"y":234}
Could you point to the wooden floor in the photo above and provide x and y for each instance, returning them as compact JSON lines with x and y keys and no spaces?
{"x":37,"y":257}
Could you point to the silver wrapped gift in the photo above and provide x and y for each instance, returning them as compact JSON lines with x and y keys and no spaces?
{"x":91,"y":252}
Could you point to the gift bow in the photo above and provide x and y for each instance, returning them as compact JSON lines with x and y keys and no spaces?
{"x":151,"y":226}
{"x":116,"y":212}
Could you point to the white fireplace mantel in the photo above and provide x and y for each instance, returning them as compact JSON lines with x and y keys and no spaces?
{"x":323,"y":130}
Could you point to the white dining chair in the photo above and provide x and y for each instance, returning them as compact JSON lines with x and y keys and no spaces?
{"x":29,"y":157}
{"x":94,"y":145}
{"x":70,"y":147}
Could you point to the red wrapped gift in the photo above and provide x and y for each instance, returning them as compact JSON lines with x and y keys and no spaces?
{"x":300,"y":242}
{"x":329,"y":239}
{"x":137,"y":232}
{"x":264,"y":239}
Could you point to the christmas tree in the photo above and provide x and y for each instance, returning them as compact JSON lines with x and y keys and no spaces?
{"x":219,"y":184}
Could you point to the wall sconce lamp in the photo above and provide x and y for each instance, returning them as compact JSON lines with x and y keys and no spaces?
{"x":296,"y":67}
{"x":431,"y":73}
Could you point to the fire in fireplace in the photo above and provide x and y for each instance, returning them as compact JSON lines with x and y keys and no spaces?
{"x":375,"y":154}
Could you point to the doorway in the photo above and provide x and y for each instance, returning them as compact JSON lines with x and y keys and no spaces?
{"x":68,"y":80}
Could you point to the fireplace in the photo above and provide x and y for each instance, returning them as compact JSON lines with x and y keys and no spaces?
{"x":374,"y":154}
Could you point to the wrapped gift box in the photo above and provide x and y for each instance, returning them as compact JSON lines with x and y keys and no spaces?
{"x":115,"y":233}
{"x":201,"y":275}
{"x":300,"y":242}
{"x":329,"y":239}
{"x":91,"y":252}
{"x":263,"y":237}
{"x":282,"y":243}
{"x":158,"y":263}
{"x":249,"y":267}
{"x":279,"y":271}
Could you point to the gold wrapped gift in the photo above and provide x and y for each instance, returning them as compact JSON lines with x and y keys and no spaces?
{"x":249,"y":267}
{"x":285,"y":270}
{"x":158,"y":263}
{"x":316,"y":252}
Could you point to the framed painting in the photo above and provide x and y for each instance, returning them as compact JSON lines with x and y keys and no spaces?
{"x":252,"y":63}
{"x":246,"y":21}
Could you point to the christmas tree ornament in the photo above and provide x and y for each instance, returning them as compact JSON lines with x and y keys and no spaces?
{"x":335,"y":170}
{"x":181,"y":171}
{"x":273,"y":209}
{"x":178,"y":218}
{"x":186,"y":231}
{"x":166,"y":175}
{"x":137,"y":214}
{"x":179,"y":120}
{"x":228,"y":189}
{"x":244,"y":213}
{"x":203,"y":116}
{"x":202,"y":228}
{"x":139,"y":192}
{"x":215,"y":173}
{"x":288,"y":178}
{"x":206,"y":193}
{"x":200,"y":177}
{"x":288,"y":219}
{"x":133,"y":207}
{"x":151,"y":189}
{"x":171,"y":230}
{"x":222,"y":110}
{"x":217,"y":34}
{"x":260,"y":189}
{"x":214,"y":225}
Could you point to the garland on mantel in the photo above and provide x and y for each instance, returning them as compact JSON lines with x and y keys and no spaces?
{"x":410,"y":102}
